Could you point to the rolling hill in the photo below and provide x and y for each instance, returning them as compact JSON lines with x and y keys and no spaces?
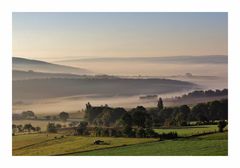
{"x":208,"y":59}
{"x":26,"y":75}
{"x":23,"y":64}
{"x":101,"y":87}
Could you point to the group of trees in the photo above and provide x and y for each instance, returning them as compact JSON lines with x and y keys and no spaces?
{"x":81,"y":129}
{"x":139,"y":121}
{"x":30,"y":115}
{"x":63,"y":116}
{"x":182,"y":115}
{"x":141,"y":117}
{"x":25,"y":115}
{"x":206,"y":93}
{"x":103,"y":115}
{"x":24,"y":128}
{"x":136,"y":122}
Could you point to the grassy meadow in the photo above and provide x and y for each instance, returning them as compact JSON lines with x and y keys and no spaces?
{"x":189,"y":130}
{"x":55,"y":144}
{"x":41,"y":144}
{"x":207,"y":145}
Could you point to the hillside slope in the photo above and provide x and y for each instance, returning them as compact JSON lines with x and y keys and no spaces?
{"x":24,"y":64}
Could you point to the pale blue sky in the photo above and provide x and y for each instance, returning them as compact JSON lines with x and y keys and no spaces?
{"x":71,"y":35}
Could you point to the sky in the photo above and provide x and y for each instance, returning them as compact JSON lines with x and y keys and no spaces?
{"x":61,"y":36}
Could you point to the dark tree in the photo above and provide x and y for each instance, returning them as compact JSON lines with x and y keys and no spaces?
{"x":160,"y":103}
{"x":127,"y":131}
{"x":82,"y":128}
{"x":106,"y":118}
{"x":126,"y":120}
{"x":221,"y":125}
{"x":139,"y":116}
{"x":215,"y":110}
{"x":200,"y":112}
{"x":38,"y":129}
{"x":117,"y":113}
{"x":28,"y":114}
{"x":109,"y":116}
{"x":183,"y":115}
{"x":91,"y":113}
{"x":63,"y":116}
{"x":141,"y":133}
{"x":20,"y":128}
{"x":224,"y":109}
{"x":28,"y":127}
{"x":51,"y":128}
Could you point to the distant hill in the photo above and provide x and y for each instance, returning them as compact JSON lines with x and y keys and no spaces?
{"x":100,"y":87}
{"x":24,"y":64}
{"x":27,"y":75}
{"x":208,"y":59}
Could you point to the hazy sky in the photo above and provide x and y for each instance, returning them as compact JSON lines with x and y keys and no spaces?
{"x":56,"y":36}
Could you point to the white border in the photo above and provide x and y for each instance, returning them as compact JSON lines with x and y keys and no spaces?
{"x":6,"y":9}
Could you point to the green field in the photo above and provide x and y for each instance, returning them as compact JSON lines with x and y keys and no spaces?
{"x":207,"y":145}
{"x":43,"y":144}
{"x":189,"y":130}
{"x":40,"y":144}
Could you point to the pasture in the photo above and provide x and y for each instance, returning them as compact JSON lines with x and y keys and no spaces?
{"x":207,"y":145}
{"x":41,"y":144}
{"x":189,"y":130}
{"x":54,"y":144}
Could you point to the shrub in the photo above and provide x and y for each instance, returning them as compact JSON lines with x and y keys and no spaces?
{"x":151,"y":133}
{"x":222,"y":125}
{"x":170,"y":135}
{"x":141,"y":133}
{"x":51,"y":128}
{"x":128,"y":132}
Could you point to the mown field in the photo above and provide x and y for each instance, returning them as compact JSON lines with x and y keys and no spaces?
{"x":207,"y":145}
{"x":47,"y":144}
{"x":189,"y":130}
{"x":41,"y":144}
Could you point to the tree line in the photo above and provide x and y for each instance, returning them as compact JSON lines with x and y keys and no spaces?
{"x":30,"y":115}
{"x":139,"y":121}
{"x":204,"y":113}
{"x":202,"y":93}
{"x":24,"y":128}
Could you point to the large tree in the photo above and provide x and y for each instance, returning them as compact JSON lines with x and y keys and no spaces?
{"x":200,"y":112}
{"x":63,"y":116}
{"x":82,"y":128}
{"x":221,"y":125}
{"x":126,"y":120}
{"x":160,"y":103}
{"x":184,"y":113}
{"x":139,"y":115}
{"x":28,"y":127}
{"x":28,"y":114}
